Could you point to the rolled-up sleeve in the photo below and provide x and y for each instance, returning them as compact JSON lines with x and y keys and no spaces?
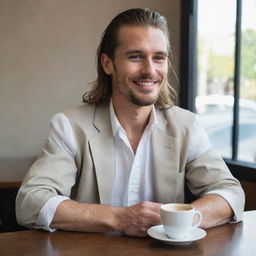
{"x":208,"y":174}
{"x":47,"y":212}
{"x":50,"y":179}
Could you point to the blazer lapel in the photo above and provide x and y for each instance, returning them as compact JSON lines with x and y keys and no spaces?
{"x":166,"y":165}
{"x":102,"y":148}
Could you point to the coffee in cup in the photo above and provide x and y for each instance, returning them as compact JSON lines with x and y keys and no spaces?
{"x":177,"y":219}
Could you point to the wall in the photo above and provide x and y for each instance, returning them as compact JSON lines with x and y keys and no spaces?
{"x":47,"y":60}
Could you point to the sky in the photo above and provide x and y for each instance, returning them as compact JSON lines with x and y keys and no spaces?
{"x":216,"y":22}
{"x":218,"y":16}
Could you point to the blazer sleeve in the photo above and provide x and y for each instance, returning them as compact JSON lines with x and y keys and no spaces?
{"x":208,"y":173}
{"x":52,"y":174}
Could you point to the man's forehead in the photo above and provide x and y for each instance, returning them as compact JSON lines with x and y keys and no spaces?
{"x":136,"y":30}
{"x":138,"y":35}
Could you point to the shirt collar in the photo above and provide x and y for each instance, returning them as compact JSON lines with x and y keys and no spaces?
{"x":116,"y":126}
{"x":114,"y":121}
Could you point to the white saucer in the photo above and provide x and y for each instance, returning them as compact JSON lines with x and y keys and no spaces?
{"x":157,"y":232}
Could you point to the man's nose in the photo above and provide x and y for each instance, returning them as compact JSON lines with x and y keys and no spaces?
{"x":148,"y":67}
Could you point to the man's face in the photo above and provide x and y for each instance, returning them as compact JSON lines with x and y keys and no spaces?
{"x":140,"y":65}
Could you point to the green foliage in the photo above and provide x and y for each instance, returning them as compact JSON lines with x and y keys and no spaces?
{"x":220,"y":66}
{"x":248,"y":54}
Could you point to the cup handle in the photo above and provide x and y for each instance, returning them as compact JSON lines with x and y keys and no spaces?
{"x":199,"y":214}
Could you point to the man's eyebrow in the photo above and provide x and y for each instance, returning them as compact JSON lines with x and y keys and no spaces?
{"x":141,"y":52}
{"x":133,"y":52}
{"x":162,"y":53}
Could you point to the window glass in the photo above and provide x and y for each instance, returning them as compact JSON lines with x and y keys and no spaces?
{"x":247,"y":115}
{"x":215,"y":71}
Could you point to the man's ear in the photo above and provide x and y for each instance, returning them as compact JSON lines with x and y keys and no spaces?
{"x":107,"y":64}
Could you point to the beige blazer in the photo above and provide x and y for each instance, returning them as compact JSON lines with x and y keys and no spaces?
{"x":90,"y":176}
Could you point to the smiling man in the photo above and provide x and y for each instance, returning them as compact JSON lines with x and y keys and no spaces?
{"x":140,"y":65}
{"x":109,"y":164}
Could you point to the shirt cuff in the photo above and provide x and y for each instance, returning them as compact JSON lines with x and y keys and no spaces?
{"x":231,"y":200}
{"x":47,"y":212}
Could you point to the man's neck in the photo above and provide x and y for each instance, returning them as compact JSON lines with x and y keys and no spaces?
{"x":133,"y":119}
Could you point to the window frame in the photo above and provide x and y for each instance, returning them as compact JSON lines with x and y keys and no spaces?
{"x":188,"y":78}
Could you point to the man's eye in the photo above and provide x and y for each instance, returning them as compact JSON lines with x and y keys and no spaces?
{"x":135,"y":57}
{"x":160,"y":58}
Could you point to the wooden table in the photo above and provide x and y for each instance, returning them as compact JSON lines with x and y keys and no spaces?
{"x":230,"y":239}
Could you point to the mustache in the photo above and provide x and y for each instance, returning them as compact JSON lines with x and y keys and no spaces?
{"x":146,"y":77}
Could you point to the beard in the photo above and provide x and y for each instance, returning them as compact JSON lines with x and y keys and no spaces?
{"x":137,"y":98}
{"x":139,"y":101}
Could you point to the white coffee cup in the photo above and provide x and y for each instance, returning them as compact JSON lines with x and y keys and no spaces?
{"x":177,"y":219}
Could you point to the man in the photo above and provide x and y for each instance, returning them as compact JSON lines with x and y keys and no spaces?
{"x":109,"y":164}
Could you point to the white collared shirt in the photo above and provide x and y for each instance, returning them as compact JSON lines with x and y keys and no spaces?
{"x":134,"y":173}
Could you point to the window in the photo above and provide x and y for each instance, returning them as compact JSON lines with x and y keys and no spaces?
{"x":218,"y":74}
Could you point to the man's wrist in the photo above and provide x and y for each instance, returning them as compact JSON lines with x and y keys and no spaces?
{"x":118,"y":219}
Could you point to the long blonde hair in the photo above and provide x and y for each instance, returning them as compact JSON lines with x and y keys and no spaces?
{"x":101,"y":90}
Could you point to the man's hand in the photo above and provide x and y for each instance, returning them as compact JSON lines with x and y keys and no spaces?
{"x":136,"y":219}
